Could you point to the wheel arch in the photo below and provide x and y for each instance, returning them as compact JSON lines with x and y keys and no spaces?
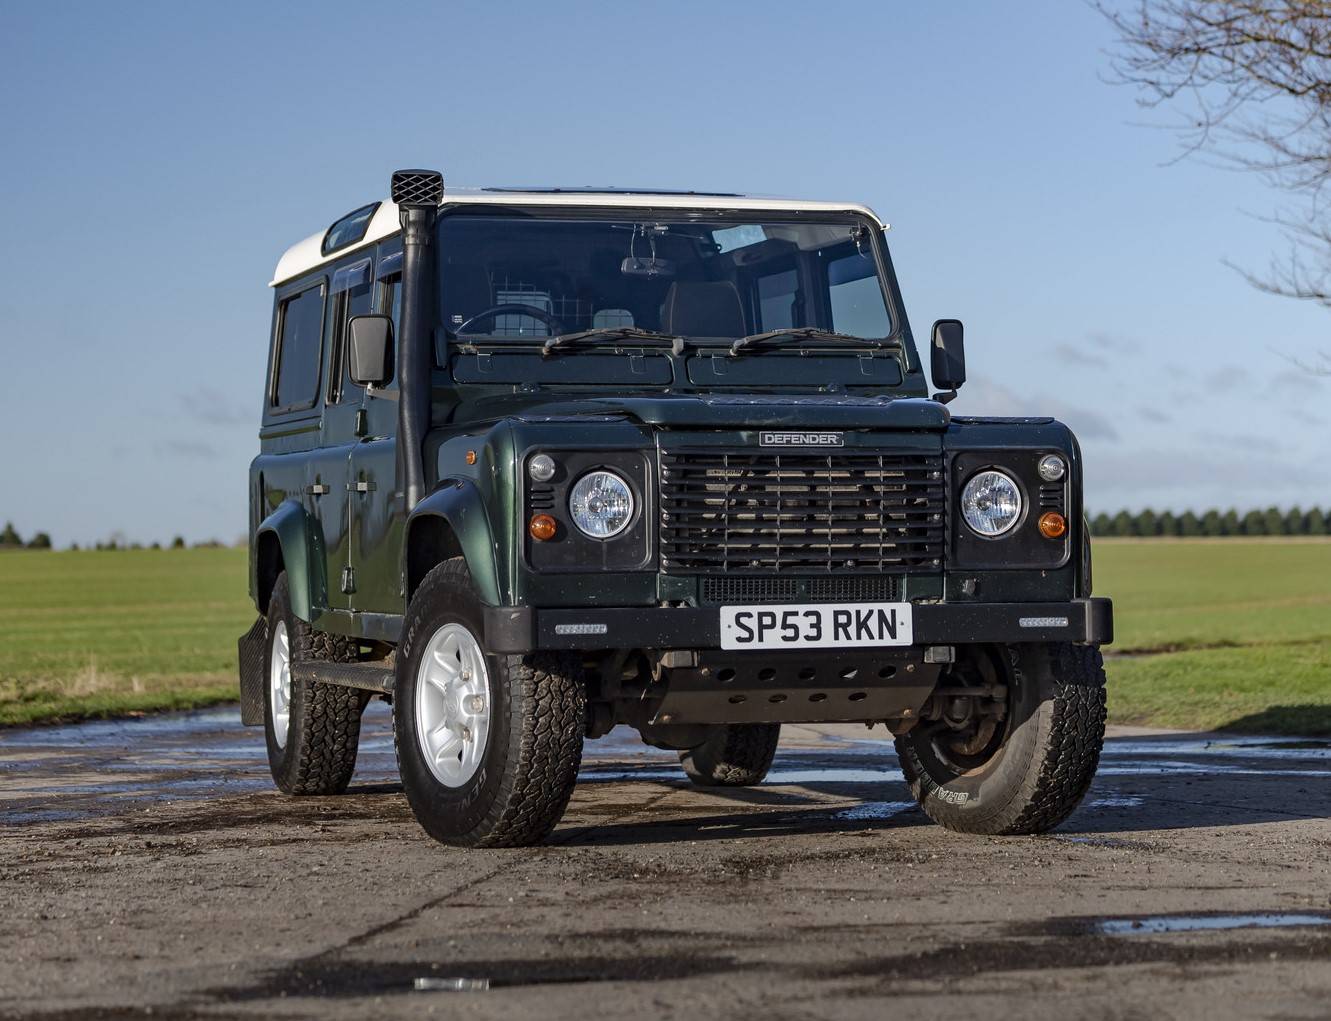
{"x":452,"y":522}
{"x":282,"y":543}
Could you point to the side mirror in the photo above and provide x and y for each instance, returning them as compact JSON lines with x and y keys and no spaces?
{"x":371,"y":350}
{"x":948,"y":358}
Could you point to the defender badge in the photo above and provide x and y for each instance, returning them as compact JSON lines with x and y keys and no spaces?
{"x":783,"y":439}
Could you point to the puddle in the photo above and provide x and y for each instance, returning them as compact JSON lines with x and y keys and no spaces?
{"x":1117,"y":801}
{"x":1155,"y":925}
{"x":874,"y":810}
{"x":1247,"y":748}
{"x":833,"y":775}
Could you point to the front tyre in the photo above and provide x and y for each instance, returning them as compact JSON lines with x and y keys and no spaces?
{"x":488,"y":746}
{"x":312,"y":729}
{"x":1022,"y":771}
{"x":735,"y":755}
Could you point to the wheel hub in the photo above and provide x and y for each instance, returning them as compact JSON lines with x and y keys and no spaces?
{"x":453,"y":705}
{"x":279,"y":683}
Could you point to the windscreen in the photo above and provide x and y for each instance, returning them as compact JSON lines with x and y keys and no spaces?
{"x":520,"y":276}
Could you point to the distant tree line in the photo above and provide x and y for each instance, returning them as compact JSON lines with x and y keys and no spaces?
{"x":1272,"y":521}
{"x":11,"y":540}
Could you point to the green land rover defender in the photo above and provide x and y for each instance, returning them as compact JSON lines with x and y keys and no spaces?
{"x":535,"y":463}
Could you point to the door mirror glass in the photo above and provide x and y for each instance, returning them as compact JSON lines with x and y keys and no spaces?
{"x":371,"y":350}
{"x":948,"y":362}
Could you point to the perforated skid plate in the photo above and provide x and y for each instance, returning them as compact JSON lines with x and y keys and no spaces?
{"x":824,"y":686}
{"x":253,"y":646}
{"x":417,"y":187}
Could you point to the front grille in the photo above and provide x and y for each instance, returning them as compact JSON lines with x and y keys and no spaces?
{"x":721,"y":590}
{"x":763,"y":512}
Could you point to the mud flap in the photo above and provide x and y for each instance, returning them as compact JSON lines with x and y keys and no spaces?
{"x":252,"y":646}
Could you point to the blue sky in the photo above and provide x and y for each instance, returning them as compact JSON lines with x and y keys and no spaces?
{"x":159,"y":157}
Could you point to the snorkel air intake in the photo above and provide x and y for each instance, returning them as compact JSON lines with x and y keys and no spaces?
{"x":417,"y":194}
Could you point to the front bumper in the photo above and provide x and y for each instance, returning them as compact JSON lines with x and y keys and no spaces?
{"x":526,"y":629}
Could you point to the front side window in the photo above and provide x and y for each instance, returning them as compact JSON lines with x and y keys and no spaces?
{"x":351,"y":297}
{"x":856,"y":299}
{"x":299,"y":349}
{"x":712,"y":278}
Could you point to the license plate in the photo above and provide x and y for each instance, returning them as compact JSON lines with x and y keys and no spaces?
{"x":816,"y":626}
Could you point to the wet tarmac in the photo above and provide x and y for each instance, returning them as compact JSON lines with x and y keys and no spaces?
{"x":149,"y":863}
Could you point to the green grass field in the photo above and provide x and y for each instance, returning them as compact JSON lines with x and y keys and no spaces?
{"x":97,"y":634}
{"x":1228,"y":633}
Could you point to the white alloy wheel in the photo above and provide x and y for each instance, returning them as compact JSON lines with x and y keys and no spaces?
{"x":279,"y":683}
{"x":453,"y":705}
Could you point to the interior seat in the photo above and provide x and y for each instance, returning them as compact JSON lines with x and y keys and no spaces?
{"x":703,"y":308}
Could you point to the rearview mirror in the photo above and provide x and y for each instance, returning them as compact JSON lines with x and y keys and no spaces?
{"x":371,"y":350}
{"x":634,"y":266}
{"x":948,"y":358}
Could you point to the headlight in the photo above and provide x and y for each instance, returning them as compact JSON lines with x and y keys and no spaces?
{"x":601,"y":504}
{"x":991,"y":503}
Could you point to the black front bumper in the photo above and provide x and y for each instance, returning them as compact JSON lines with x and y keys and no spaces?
{"x":526,"y":629}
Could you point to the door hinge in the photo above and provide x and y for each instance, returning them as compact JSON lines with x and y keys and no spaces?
{"x":348,"y":580}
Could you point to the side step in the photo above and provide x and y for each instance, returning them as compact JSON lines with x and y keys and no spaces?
{"x":376,"y":676}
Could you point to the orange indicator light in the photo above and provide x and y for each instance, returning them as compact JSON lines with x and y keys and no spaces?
{"x":542,"y":527}
{"x":1053,"y":525}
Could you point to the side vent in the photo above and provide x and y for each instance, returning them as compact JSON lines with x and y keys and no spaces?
{"x":417,"y":187}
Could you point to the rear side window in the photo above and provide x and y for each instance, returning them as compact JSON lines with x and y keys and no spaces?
{"x":299,"y":348}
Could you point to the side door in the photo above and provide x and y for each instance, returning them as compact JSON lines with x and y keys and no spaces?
{"x":350,"y":293}
{"x":376,"y":510}
{"x":289,"y":436}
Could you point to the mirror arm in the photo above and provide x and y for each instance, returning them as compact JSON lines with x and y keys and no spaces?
{"x":382,"y":394}
{"x":946,"y":397}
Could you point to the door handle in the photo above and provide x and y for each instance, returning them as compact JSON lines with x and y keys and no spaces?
{"x":360,"y":487}
{"x":318,"y":489}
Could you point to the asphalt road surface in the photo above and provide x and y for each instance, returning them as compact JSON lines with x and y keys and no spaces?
{"x":150,"y":865}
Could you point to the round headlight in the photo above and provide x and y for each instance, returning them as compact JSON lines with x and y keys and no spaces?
{"x":601,"y":504}
{"x":1052,"y":467}
{"x":991,"y":503}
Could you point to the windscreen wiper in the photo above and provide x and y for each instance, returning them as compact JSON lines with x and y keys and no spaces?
{"x":801,"y":333}
{"x":568,"y":340}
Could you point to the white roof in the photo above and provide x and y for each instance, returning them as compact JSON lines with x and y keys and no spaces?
{"x":306,"y":255}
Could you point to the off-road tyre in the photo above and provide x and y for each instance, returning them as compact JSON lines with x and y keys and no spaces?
{"x":534,"y":747}
{"x":1048,"y":756}
{"x":736,"y":755}
{"x":324,"y":729}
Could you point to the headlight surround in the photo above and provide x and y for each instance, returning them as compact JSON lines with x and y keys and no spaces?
{"x":991,"y":503}
{"x":601,"y":504}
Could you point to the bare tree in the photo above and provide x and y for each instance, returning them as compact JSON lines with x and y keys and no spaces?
{"x":1252,"y":78}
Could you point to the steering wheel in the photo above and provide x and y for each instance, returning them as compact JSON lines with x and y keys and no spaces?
{"x":551,"y":323}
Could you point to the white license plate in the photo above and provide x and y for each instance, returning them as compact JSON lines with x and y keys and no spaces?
{"x":816,"y":626}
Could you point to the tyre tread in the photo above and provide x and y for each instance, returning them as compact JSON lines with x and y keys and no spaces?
{"x":738,"y":755}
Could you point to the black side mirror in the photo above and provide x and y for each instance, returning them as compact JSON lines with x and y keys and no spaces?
{"x":948,"y":361}
{"x":371,"y":350}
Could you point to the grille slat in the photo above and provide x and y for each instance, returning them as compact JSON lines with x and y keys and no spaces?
{"x":865,"y":588}
{"x":767,"y":512}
